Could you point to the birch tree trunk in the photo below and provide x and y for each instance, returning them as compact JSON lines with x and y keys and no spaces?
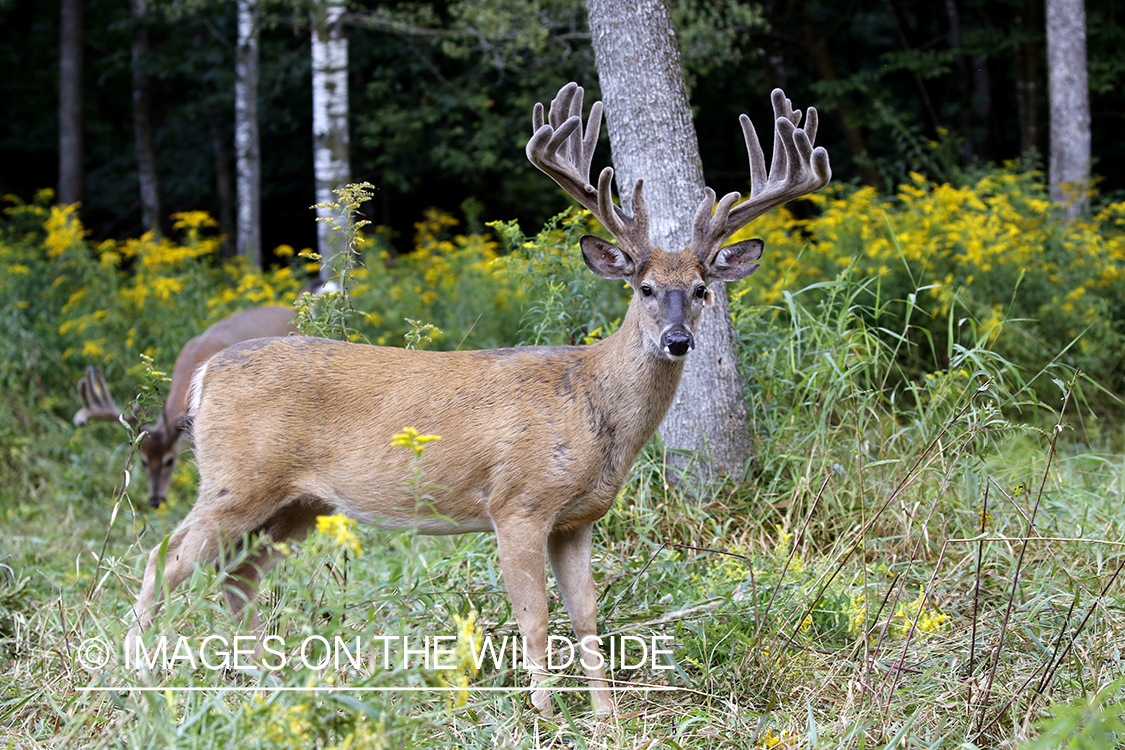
{"x":248,"y":162}
{"x":142,"y":124}
{"x":1069,"y":94}
{"x":71,"y":141}
{"x":330,"y":122}
{"x":652,"y":136}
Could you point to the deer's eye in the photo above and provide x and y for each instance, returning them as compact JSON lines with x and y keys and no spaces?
{"x":646,"y":290}
{"x":701,"y":291}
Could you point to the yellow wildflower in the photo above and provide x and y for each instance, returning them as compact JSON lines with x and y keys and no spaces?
{"x":924,"y":620}
{"x":340,"y":527}
{"x":469,"y":639}
{"x":64,"y":230}
{"x":409,"y":438}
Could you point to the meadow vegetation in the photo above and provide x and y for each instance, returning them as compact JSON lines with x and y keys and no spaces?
{"x":925,"y":553}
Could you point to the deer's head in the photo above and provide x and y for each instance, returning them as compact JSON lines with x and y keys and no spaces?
{"x":672,"y":288}
{"x":161,"y":448}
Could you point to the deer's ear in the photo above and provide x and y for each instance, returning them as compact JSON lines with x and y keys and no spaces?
{"x":734,"y":262}
{"x":605,"y":258}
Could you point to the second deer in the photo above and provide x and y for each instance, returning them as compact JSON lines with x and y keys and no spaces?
{"x":535,"y":442}
{"x":164,"y":439}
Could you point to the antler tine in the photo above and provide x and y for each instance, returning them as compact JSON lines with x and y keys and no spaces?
{"x":797,"y":169}
{"x":782,"y":109}
{"x":97,"y":403}
{"x":561,"y":148}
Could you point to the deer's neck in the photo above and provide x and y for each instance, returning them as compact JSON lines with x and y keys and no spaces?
{"x":634,"y":384}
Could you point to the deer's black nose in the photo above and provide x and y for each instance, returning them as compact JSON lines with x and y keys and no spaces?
{"x":677,"y":342}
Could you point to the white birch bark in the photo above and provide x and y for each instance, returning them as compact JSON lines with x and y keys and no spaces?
{"x":1069,"y":93}
{"x":652,"y":137}
{"x":248,"y":162}
{"x":330,"y":121}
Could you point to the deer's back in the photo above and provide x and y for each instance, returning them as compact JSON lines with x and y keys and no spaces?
{"x":520,"y":431}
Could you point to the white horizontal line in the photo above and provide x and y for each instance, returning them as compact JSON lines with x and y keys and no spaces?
{"x":346,"y":689}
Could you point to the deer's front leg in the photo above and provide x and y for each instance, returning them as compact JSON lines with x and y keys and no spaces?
{"x":570,"y":559}
{"x":522,"y":545}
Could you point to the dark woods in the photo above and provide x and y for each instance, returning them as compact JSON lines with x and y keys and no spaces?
{"x":439,"y":94}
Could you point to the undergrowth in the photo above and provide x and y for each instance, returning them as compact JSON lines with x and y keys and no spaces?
{"x":929,"y":557}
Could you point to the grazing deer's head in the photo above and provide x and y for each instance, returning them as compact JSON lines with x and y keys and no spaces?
{"x":164,"y":439}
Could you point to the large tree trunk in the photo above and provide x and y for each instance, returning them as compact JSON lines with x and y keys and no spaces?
{"x":71,"y":142}
{"x":1069,"y":93}
{"x":652,"y":137}
{"x":142,"y":124}
{"x":330,"y":121}
{"x":247,"y":155}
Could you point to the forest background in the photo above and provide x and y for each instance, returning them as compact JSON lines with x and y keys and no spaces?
{"x":439,"y":96}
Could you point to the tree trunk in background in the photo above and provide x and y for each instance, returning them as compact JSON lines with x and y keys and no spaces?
{"x":223,"y":182}
{"x":1029,"y":78}
{"x":142,"y":124}
{"x":964,"y":79}
{"x":652,"y":137}
{"x":1069,"y":93}
{"x":71,"y":141}
{"x":330,"y":121}
{"x":247,"y":154}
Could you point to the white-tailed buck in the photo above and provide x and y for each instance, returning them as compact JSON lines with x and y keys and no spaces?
{"x":164,"y":439}
{"x":535,"y":441}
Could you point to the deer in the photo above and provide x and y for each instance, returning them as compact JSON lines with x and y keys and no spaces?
{"x":536,"y":441}
{"x":164,"y":440}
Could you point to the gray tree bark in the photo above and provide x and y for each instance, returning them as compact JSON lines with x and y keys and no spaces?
{"x":330,"y":121}
{"x":1069,"y":94}
{"x":142,"y":125}
{"x":652,"y":136}
{"x":71,"y":141}
{"x":248,"y":162}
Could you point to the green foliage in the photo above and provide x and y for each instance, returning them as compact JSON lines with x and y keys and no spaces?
{"x":454,"y":83}
{"x":567,"y":304}
{"x":322,"y":314}
{"x":1094,"y":725}
{"x":948,"y":269}
{"x":441,"y":94}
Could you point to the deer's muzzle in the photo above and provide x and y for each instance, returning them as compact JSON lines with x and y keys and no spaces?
{"x":677,"y":342}
{"x":676,"y":339}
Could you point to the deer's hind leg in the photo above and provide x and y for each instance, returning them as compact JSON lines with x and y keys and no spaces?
{"x":202,"y":537}
{"x":291,"y":523}
{"x":193,"y":541}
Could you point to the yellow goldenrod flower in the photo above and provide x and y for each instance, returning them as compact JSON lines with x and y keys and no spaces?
{"x":409,"y":438}
{"x":339,"y":526}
